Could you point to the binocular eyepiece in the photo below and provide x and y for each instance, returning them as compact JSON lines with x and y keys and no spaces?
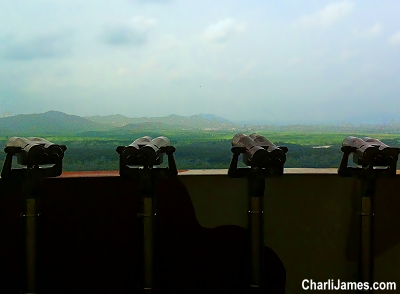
{"x":133,"y":148}
{"x":259,"y":151}
{"x":370,"y":152}
{"x":35,"y":151}
{"x":144,"y":151}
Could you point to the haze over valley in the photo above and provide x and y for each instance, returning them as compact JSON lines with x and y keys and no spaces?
{"x":58,"y":123}
{"x":265,"y":62}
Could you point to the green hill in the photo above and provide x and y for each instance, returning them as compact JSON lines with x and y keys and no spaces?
{"x":48,"y":123}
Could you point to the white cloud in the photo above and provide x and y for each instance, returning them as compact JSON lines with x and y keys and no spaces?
{"x":148,"y":66}
{"x":347,"y":54}
{"x":142,"y":23}
{"x":328,"y":15}
{"x":375,"y":30}
{"x":38,"y":47}
{"x":168,"y":43}
{"x":395,"y":39}
{"x":220,"y":31}
{"x":177,"y":74}
{"x":153,"y":1}
{"x":294,"y":61}
{"x":368,"y":68}
{"x":123,"y":71}
{"x":134,"y":31}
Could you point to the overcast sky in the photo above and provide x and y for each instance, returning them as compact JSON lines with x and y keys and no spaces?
{"x":281,"y":62}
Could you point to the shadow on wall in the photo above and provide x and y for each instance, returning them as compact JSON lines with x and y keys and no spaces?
{"x":90,"y":241}
{"x":387,"y":218}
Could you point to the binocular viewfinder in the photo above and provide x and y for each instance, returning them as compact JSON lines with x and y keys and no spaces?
{"x":370,"y":152}
{"x":35,"y":151}
{"x":144,"y":151}
{"x":258,"y":151}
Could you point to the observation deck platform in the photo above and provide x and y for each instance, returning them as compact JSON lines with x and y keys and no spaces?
{"x":89,"y":231}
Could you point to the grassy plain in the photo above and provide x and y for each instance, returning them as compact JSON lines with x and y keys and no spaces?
{"x":201,"y":150}
{"x":188,"y":137}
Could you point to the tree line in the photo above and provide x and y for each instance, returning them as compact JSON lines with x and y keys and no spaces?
{"x":101,"y":155}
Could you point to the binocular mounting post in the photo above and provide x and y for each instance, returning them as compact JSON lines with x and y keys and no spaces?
{"x":255,"y":189}
{"x":368,"y":176}
{"x":148,"y":176}
{"x":31,"y":179}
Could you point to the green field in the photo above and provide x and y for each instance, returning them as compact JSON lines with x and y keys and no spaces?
{"x":202,"y":150}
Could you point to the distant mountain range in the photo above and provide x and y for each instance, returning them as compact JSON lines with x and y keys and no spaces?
{"x":59,"y":123}
{"x":200,"y":121}
{"x":55,"y":122}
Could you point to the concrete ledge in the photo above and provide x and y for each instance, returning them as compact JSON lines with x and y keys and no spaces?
{"x":203,"y":172}
{"x":197,"y":172}
{"x":286,"y":171}
{"x":297,"y":171}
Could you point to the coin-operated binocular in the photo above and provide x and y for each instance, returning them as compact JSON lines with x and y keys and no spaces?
{"x":39,"y":159}
{"x":368,"y":153}
{"x":137,"y":161}
{"x":375,"y":160}
{"x":130,"y":155}
{"x":146,"y":152}
{"x":33,"y":152}
{"x":263,"y":159}
{"x":258,"y":152}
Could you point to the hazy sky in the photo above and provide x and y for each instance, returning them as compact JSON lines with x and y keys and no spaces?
{"x":280,"y":62}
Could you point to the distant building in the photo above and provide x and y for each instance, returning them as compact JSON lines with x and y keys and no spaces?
{"x":319,"y":147}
